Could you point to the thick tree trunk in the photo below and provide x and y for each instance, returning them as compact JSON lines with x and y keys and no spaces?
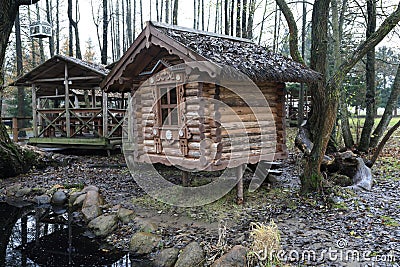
{"x":391,"y":105}
{"x":21,"y":90}
{"x":370,"y":81}
{"x":11,"y":157}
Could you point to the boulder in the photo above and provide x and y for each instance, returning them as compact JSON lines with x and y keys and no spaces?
{"x":24,"y":191}
{"x":191,"y":256}
{"x":59,"y":198}
{"x":42,"y":199}
{"x":12,"y":190}
{"x":166,"y":258}
{"x":125,"y":215}
{"x":91,"y":205}
{"x":145,"y":225}
{"x":90,"y":188}
{"x":103,"y":225}
{"x":143,"y":243}
{"x":236,"y":257}
{"x":78,"y":202}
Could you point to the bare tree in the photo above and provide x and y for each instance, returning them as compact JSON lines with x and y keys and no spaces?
{"x":105,"y":33}
{"x":238,"y":19}
{"x":250,"y":20}
{"x":370,"y":80}
{"x":41,"y":46}
{"x":244,"y":19}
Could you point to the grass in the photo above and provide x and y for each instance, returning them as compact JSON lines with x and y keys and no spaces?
{"x":389,"y":221}
{"x":266,"y":243}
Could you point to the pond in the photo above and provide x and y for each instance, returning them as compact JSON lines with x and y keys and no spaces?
{"x":45,"y":236}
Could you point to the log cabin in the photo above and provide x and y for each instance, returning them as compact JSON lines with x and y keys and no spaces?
{"x":204,"y":101}
{"x":69,"y":109}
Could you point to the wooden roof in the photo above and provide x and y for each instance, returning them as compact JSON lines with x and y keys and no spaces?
{"x":51,"y":74}
{"x":159,"y":41}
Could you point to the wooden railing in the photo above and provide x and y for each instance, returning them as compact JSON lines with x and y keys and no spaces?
{"x":12,"y":122}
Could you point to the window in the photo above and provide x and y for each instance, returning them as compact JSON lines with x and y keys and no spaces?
{"x":168,"y":106}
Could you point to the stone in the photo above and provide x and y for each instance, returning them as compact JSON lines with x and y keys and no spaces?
{"x":125,"y":215}
{"x":78,"y":203}
{"x":166,"y":258}
{"x":73,"y":196}
{"x":23,"y":192}
{"x":90,"y":188}
{"x":42,"y":199}
{"x":91,"y":205}
{"x":236,"y":257}
{"x":191,"y":256}
{"x":103,"y":225}
{"x":59,"y":198}
{"x":12,"y":190}
{"x":145,"y":225}
{"x":143,"y":243}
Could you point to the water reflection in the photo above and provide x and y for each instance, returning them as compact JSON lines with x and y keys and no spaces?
{"x":42,"y":236}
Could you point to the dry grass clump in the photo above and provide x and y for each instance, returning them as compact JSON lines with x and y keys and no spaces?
{"x":265,"y":245}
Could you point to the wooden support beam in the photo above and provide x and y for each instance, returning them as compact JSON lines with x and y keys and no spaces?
{"x":15,"y":129}
{"x":34,"y":111}
{"x":239,"y":186}
{"x":185,"y":178}
{"x":105,"y":115}
{"x":67,"y":114}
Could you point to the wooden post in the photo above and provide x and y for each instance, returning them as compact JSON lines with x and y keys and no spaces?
{"x":239,"y":176}
{"x":67,"y":114}
{"x":185,"y":178}
{"x":105,"y":114}
{"x":15,"y":129}
{"x":34,"y":112}
{"x":93,"y":97}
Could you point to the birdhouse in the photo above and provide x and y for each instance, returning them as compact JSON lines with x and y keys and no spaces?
{"x":40,"y":29}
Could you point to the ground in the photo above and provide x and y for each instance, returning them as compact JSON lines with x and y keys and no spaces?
{"x":339,"y":228}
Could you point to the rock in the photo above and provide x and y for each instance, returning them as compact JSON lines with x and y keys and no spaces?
{"x":191,"y":256}
{"x":103,"y":225}
{"x":90,"y":188}
{"x":59,"y":198}
{"x":23,"y":192}
{"x":78,"y":203}
{"x":143,"y":243}
{"x":73,"y":196}
{"x":12,"y":190}
{"x":236,"y":257}
{"x":166,"y":258}
{"x":145,"y":225}
{"x":42,"y":199}
{"x":125,"y":215}
{"x":91,"y":205}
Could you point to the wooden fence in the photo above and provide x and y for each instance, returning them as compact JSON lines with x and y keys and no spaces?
{"x":12,"y":122}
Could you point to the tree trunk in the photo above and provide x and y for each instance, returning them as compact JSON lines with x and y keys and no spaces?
{"x":321,"y":120}
{"x":57,"y":28}
{"x":238,"y":20}
{"x":226,"y":17}
{"x":391,"y":105}
{"x":21,"y":90}
{"x":167,"y":11}
{"x":11,"y":157}
{"x":74,"y":26}
{"x":250,"y":21}
{"x":49,"y":8}
{"x":383,"y":142}
{"x":175,"y":13}
{"x":232,"y":16}
{"x":41,"y":46}
{"x":370,"y":81}
{"x":141,"y":14}
{"x":262,"y":23}
{"x":244,"y":19}
{"x":202,"y":15}
{"x":105,"y":33}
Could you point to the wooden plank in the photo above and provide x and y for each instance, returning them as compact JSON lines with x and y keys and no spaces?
{"x":67,"y":114}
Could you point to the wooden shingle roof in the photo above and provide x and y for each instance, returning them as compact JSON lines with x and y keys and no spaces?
{"x":160,"y":40}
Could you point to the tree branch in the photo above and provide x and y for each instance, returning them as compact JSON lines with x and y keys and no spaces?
{"x":293,"y":31}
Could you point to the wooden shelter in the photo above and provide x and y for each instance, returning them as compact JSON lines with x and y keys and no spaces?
{"x":69,"y":108}
{"x":170,"y":118}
